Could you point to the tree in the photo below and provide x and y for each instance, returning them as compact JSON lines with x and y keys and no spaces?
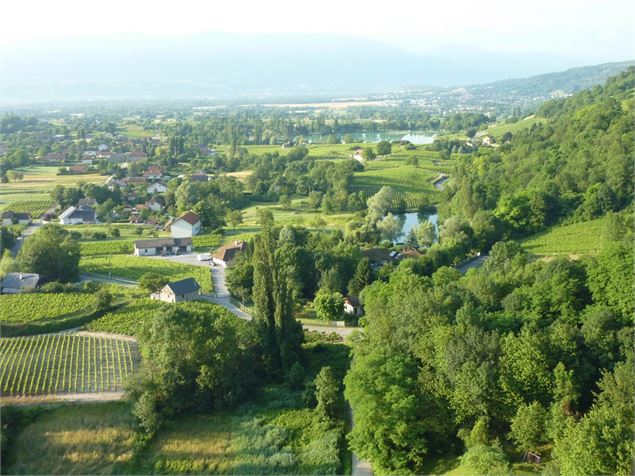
{"x":483,"y":459}
{"x":528,"y":426}
{"x":426,"y":233}
{"x":139,"y":230}
{"x":103,"y":299}
{"x":379,"y":203}
{"x":368,"y":153}
{"x":51,"y":252}
{"x":315,"y":200}
{"x":115,"y":233}
{"x":285,"y":201}
{"x":153,"y":282}
{"x":296,"y":376}
{"x":281,"y":334}
{"x":328,"y":305}
{"x":234,"y":218}
{"x":327,"y":390}
{"x":264,"y":217}
{"x":384,"y":148}
{"x":411,"y":239}
{"x":361,"y":278}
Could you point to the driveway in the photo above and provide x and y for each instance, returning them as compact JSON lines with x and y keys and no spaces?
{"x":28,"y":231}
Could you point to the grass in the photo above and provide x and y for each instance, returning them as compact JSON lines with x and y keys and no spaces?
{"x":126,"y":231}
{"x":53,"y":364}
{"x":497,"y":130}
{"x":136,"y":131}
{"x":38,"y":182}
{"x":91,"y":439}
{"x":575,"y":240}
{"x":133,"y":267}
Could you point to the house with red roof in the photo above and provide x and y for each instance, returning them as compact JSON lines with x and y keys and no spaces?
{"x":187,"y":225}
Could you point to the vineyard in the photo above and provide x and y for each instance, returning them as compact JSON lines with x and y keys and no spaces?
{"x":35,"y":208}
{"x":206,"y":241}
{"x":133,"y":267}
{"x":64,"y":363}
{"x":115,"y":247}
{"x":581,"y":239}
{"x":39,"y":306}
{"x":409,"y":199}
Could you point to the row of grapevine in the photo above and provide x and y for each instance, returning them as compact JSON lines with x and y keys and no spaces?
{"x":64,"y":363}
{"x":39,"y":306}
{"x":409,"y":200}
{"x":35,"y":208}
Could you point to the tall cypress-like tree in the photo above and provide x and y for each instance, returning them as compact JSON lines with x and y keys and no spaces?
{"x":280,"y":333}
{"x":361,"y":277}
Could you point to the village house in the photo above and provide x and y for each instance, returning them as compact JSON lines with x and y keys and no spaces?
{"x":162,"y":246}
{"x":15,"y":283}
{"x":225,"y":255}
{"x":54,"y":157}
{"x":353,"y":306}
{"x":184,"y":290}
{"x":378,"y":257}
{"x":78,"y":216}
{"x":77,"y":169}
{"x":137,"y":155}
{"x":154,"y":205}
{"x":187,"y":225}
{"x":153,"y":172}
{"x":199,"y":177}
{"x":134,"y":180}
{"x":157,"y":187}
{"x":15,"y":218}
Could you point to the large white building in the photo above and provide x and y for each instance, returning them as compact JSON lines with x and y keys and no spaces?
{"x":185,"y":226}
{"x":78,"y":215}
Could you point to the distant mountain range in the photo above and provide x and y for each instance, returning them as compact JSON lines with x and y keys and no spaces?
{"x":225,"y":66}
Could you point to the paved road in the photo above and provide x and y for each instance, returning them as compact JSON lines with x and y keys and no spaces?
{"x":473,"y":263}
{"x":28,"y":231}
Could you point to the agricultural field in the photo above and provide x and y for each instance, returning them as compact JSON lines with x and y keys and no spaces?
{"x":113,"y":247}
{"x":136,"y":131}
{"x":39,"y":181}
{"x":53,"y":364}
{"x":16,"y":308}
{"x":575,"y":240}
{"x":133,"y":267}
{"x":126,"y":231}
{"x":35,"y":208}
{"x":497,"y":130}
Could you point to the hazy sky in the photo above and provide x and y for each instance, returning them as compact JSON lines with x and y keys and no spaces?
{"x":593,"y":30}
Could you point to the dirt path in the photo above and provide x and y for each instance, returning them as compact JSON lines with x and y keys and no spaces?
{"x":67,"y":398}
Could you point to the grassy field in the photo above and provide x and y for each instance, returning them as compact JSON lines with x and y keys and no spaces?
{"x":41,"y":306}
{"x":133,"y":267}
{"x":274,"y":433}
{"x":497,"y":130}
{"x":575,"y":240}
{"x":91,"y":439}
{"x":38,"y":182}
{"x":136,"y":131}
{"x":53,"y":364}
{"x":126,"y":231}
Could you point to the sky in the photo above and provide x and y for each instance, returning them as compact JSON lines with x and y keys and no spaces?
{"x":585,"y":30}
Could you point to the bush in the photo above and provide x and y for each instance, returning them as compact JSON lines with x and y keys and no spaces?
{"x":482,"y":459}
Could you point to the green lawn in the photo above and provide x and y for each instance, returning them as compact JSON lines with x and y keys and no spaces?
{"x":136,"y":131}
{"x":575,"y":240}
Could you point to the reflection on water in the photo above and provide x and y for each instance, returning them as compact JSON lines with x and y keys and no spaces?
{"x":413,"y":219}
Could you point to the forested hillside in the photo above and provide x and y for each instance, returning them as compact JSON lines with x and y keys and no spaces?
{"x":571,"y":167}
{"x":522,"y":358}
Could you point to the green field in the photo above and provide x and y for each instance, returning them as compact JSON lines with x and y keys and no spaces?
{"x":35,"y":208}
{"x":126,"y":231}
{"x":16,"y":308}
{"x":136,"y":131}
{"x":38,"y":182}
{"x":577,"y":239}
{"x":133,"y":267}
{"x":497,"y":130}
{"x":52,"y":364}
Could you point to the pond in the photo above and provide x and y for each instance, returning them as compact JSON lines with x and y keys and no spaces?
{"x":417,"y":138}
{"x":410,"y":220}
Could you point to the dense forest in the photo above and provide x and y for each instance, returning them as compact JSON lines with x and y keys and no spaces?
{"x":520,"y":356}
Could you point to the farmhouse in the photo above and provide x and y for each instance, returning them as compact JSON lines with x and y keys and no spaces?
{"x":154,"y":205}
{"x":77,"y":169}
{"x":199,"y":177}
{"x":15,"y":283}
{"x":225,"y":255}
{"x":15,"y":218}
{"x":184,"y":290}
{"x":379,"y":256}
{"x":188,"y":224}
{"x":153,"y":172}
{"x":77,"y":215}
{"x":162,"y":246}
{"x":353,"y":306}
{"x":157,"y":187}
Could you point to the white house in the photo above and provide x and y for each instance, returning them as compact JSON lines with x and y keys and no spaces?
{"x":353,"y":306}
{"x":154,"y":205}
{"x":162,"y":246}
{"x":77,"y":215}
{"x":187,"y":225}
{"x":225,"y":255}
{"x":15,"y":218}
{"x":157,"y":187}
{"x":184,"y":290}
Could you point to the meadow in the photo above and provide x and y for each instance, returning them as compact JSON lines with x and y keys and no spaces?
{"x":52,"y":364}
{"x":574,"y":240}
{"x":133,"y":267}
{"x":39,"y":181}
{"x":498,"y":129}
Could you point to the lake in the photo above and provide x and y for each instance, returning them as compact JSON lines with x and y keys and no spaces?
{"x":417,"y":138}
{"x":413,"y":219}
